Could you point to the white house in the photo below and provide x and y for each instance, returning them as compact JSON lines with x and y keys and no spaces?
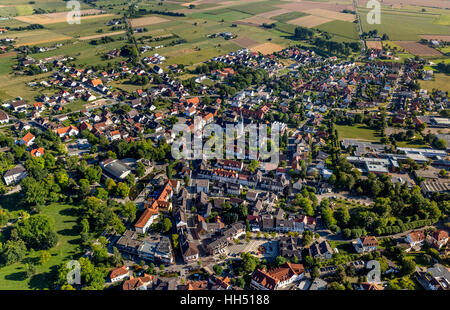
{"x":14,"y":175}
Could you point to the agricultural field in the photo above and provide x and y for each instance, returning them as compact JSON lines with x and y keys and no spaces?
{"x":405,"y":26}
{"x":288,"y":16}
{"x":418,"y":49}
{"x":374,"y":45}
{"x":23,"y":7}
{"x":95,"y":26}
{"x":345,"y":30}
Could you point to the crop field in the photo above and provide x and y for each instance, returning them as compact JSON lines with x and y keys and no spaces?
{"x":44,"y":19}
{"x":145,"y":21}
{"x":223,"y":15}
{"x":288,"y":16}
{"x":310,"y":21}
{"x":245,"y":42}
{"x":97,"y":36}
{"x":406,"y":26}
{"x":26,"y":7}
{"x":400,"y":3}
{"x":304,"y":6}
{"x":374,"y":45}
{"x":331,"y":14}
{"x":436,"y":37}
{"x":418,"y":49}
{"x":271,"y":14}
{"x":346,"y":30}
{"x":256,"y":20}
{"x":32,"y":37}
{"x":86,"y":28}
{"x":267,"y":48}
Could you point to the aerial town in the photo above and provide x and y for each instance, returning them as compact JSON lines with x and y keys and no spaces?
{"x":88,"y":127}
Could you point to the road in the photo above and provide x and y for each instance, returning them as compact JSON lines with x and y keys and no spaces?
{"x":358,"y":18}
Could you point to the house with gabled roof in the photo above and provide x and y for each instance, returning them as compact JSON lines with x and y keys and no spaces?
{"x":277,"y":278}
{"x":27,"y":140}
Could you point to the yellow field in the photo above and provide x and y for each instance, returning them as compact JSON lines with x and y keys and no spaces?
{"x":144,"y":21}
{"x":35,"y":37}
{"x":267,"y":48}
{"x":53,"y":18}
{"x":330,"y":14}
{"x":309,"y":21}
{"x":101,"y":35}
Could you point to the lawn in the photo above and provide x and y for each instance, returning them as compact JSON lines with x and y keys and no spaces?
{"x":441,"y":81}
{"x":358,"y":132}
{"x":13,"y":277}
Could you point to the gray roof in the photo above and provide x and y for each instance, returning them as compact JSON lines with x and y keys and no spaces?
{"x":16,"y":170}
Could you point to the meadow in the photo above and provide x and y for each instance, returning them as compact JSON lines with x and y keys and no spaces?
{"x":399,"y":25}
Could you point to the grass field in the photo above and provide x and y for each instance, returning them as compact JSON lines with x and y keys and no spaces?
{"x":32,"y":37}
{"x":441,"y":82}
{"x":340,"y":28}
{"x":228,"y":16}
{"x":359,"y":132}
{"x":13,"y":277}
{"x":400,"y":25}
{"x":86,"y":28}
{"x":288,"y":16}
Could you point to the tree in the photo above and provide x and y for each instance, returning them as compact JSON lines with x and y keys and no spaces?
{"x":33,"y":191}
{"x":336,"y":286}
{"x":44,"y":257}
{"x":110,"y":185}
{"x":140,"y":169}
{"x":280,"y":260}
{"x":30,"y":270}
{"x":175,"y":240}
{"x":249,"y":262}
{"x":122,"y":190}
{"x":38,"y":232}
{"x":13,"y":251}
{"x":167,"y":225}
{"x":129,"y":210}
{"x":408,"y":266}
{"x":218,"y":269}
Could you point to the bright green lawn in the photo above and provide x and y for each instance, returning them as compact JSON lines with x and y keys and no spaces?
{"x":359,"y":132}
{"x":13,"y":277}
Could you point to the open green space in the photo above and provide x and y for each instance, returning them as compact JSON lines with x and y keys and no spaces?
{"x":347,"y":30}
{"x":400,"y":25}
{"x":359,"y":132}
{"x":13,"y":277}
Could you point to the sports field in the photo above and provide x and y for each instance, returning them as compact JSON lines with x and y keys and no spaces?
{"x":359,"y":132}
